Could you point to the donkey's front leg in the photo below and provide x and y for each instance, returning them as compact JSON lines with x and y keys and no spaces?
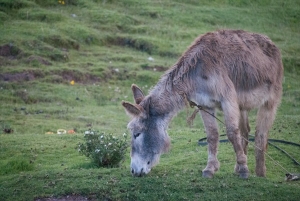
{"x":211,"y":128}
{"x":232,"y":115}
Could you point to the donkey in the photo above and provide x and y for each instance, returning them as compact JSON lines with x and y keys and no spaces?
{"x":231,"y":70}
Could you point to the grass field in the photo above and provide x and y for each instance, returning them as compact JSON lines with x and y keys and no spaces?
{"x":104,"y":46}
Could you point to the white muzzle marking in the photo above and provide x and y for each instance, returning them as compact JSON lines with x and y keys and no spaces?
{"x":139,"y":166}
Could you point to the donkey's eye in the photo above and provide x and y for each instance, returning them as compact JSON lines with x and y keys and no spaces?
{"x":136,"y":135}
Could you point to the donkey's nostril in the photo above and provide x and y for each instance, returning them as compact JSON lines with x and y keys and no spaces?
{"x":148,"y":163}
{"x":141,"y":173}
{"x":132,"y":171}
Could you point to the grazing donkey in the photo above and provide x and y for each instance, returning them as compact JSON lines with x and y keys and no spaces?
{"x":232,"y":70}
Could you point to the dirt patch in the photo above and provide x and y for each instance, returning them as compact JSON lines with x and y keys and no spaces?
{"x":9,"y":50}
{"x":138,"y":44}
{"x":77,"y":76}
{"x":64,"y":76}
{"x":16,"y":77}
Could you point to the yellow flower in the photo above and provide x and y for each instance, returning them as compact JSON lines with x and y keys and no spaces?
{"x":72,"y":82}
{"x":61,"y":2}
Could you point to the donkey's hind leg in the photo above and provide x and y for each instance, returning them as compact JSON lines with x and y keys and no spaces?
{"x":232,"y":118}
{"x":245,"y":130}
{"x":265,"y":118}
{"x":211,"y":128}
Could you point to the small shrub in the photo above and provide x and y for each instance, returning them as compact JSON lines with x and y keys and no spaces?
{"x":105,"y":150}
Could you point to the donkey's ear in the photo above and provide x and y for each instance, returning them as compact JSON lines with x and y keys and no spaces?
{"x":146,"y":104}
{"x":131,"y":109}
{"x":137,"y":94}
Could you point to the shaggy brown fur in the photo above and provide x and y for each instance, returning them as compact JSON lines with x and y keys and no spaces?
{"x":232,"y":70}
{"x":249,"y":59}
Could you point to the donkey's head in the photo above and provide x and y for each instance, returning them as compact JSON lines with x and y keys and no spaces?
{"x":149,"y":138}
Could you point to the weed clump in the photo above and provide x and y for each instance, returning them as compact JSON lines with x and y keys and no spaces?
{"x":16,"y":165}
{"x":138,"y":44}
{"x":105,"y":150}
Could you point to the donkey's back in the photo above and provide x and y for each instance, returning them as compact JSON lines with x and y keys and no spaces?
{"x":250,"y":59}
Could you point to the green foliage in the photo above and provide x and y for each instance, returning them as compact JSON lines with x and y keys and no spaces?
{"x":16,"y":165}
{"x":105,"y":150}
{"x":40,"y":15}
{"x":7,"y":5}
{"x":3,"y":17}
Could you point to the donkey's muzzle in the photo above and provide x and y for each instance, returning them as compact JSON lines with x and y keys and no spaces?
{"x":137,"y":173}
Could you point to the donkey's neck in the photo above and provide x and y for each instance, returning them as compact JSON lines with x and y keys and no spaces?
{"x":165,"y":100}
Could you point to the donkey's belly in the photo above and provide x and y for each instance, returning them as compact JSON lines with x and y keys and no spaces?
{"x":253,"y":98}
{"x":246,"y":99}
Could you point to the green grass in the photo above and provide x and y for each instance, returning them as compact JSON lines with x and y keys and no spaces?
{"x":104,"y":47}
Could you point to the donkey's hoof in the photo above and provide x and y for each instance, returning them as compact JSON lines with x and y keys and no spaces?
{"x":244,"y":175}
{"x":207,"y":174}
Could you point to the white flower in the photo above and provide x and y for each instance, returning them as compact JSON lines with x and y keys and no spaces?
{"x":101,"y":137}
{"x":88,"y":132}
{"x":117,"y":89}
{"x":150,"y":59}
{"x":124,"y":135}
{"x":109,"y":144}
{"x":97,"y":150}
